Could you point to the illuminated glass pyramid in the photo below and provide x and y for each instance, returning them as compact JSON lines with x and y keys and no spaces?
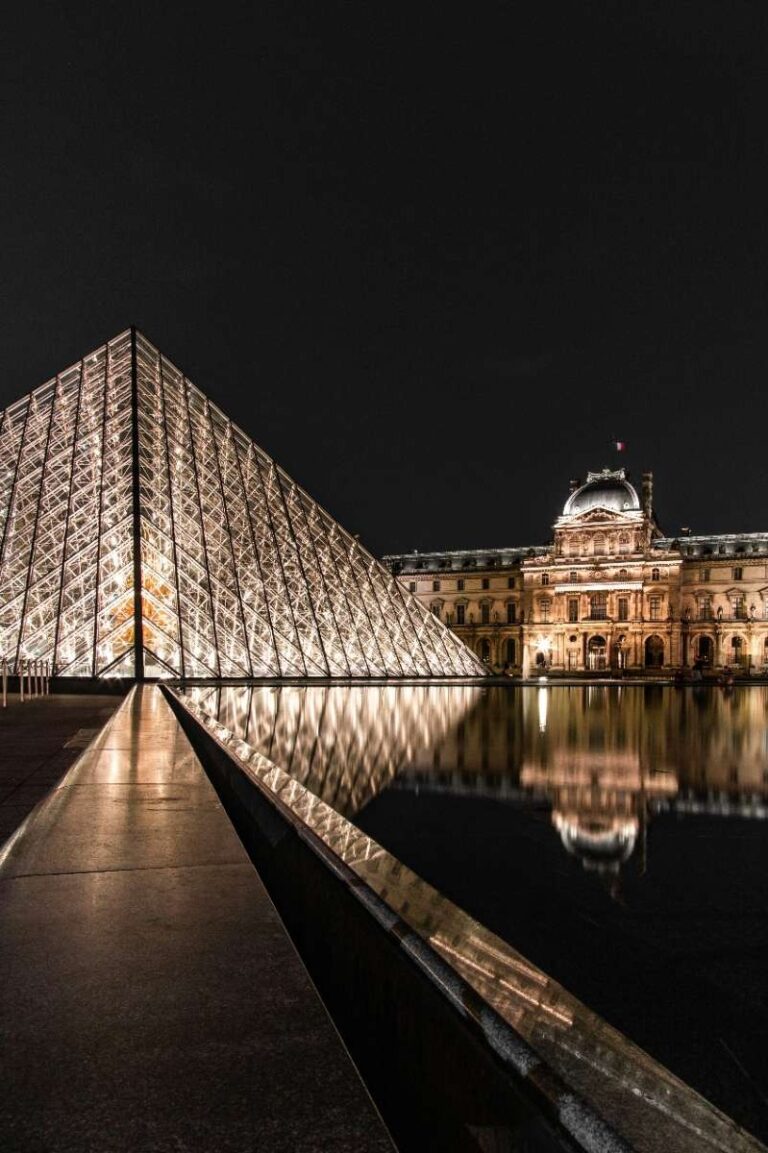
{"x":143,"y":535}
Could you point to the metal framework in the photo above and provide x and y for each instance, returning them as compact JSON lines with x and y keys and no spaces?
{"x":142,"y":534}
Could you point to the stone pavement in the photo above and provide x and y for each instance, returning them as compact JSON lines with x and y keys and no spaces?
{"x":150,"y":997}
{"x":39,"y":740}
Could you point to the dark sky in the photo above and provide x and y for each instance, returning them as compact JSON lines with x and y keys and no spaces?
{"x":433,"y":264}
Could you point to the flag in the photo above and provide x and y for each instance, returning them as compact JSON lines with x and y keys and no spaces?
{"x":619,"y":445}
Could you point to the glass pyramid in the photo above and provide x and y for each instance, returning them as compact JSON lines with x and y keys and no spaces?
{"x":142,"y":534}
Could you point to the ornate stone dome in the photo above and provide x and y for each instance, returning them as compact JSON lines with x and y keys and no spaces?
{"x":604,"y":489}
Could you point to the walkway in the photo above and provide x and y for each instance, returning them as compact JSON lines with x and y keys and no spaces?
{"x":150,"y":997}
{"x":39,"y":740}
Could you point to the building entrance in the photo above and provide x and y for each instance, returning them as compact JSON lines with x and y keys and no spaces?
{"x":654,"y":653}
{"x":597,"y":653}
{"x":704,"y":650}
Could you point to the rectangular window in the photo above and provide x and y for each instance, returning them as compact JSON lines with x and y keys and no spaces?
{"x":512,"y":613}
{"x":573,"y":609}
{"x":545,"y":606}
{"x":411,"y":586}
{"x":436,"y":611}
{"x":705,"y":607}
{"x":460,"y":612}
{"x":623,"y":609}
{"x":654,"y":605}
{"x":738,"y":574}
{"x":739,"y":607}
{"x":705,"y":574}
{"x":460,"y":584}
{"x":486,"y":584}
{"x":598,"y":607}
{"x":485,"y":614}
{"x":435,"y":586}
{"x":510,"y":582}
{"x":545,"y":578}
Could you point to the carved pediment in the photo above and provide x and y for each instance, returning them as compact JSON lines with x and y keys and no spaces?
{"x":601,"y":516}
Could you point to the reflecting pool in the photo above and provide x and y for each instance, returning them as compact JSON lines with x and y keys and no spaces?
{"x":616,"y":836}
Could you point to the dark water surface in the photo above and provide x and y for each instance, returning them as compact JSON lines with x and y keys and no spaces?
{"x":616,"y":836}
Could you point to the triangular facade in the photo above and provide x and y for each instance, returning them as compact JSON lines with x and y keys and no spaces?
{"x":142,"y":534}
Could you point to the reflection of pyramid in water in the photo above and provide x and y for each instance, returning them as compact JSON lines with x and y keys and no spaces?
{"x":239,"y":572}
{"x":344,"y":743}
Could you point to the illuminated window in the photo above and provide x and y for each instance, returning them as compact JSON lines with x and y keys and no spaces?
{"x":598,"y":607}
{"x":704,"y":607}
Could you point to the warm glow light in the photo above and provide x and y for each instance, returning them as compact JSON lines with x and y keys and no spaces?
{"x":242,"y":573}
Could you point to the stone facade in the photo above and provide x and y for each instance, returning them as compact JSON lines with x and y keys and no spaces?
{"x":609,"y":592}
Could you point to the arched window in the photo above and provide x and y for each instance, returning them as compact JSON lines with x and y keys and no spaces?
{"x":545,"y":578}
{"x":655,"y":574}
{"x":484,"y":650}
{"x":737,"y":650}
{"x":625,"y":544}
{"x":623,"y":574}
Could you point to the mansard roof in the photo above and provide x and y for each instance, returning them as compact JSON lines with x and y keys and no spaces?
{"x":607,"y":489}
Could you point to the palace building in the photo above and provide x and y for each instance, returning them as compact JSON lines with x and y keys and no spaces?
{"x":608,"y":592}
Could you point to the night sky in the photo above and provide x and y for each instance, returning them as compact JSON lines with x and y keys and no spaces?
{"x":433,"y":264}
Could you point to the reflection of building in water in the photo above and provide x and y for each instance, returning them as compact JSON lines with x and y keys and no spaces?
{"x":344,"y":743}
{"x":608,"y":757}
{"x":599,"y":765}
{"x":599,"y":802}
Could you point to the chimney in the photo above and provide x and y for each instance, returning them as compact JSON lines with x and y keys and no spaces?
{"x":648,"y":493}
{"x":573,"y":484}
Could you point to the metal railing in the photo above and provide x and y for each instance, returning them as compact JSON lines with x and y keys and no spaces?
{"x":36,"y":673}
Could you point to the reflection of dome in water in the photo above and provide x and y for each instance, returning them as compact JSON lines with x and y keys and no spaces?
{"x":604,"y":489}
{"x":601,"y":846}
